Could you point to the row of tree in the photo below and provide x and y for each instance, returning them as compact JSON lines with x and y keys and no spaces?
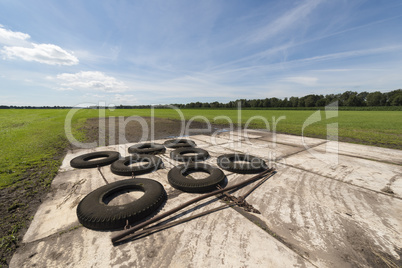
{"x":33,"y":107}
{"x":347,"y":98}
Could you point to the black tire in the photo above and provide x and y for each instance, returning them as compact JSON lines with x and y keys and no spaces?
{"x":180,"y":154}
{"x":147,"y":148}
{"x":94,"y":213}
{"x":84,"y":161}
{"x":254,"y":164}
{"x":177,"y":178}
{"x":122,"y":166}
{"x":178,"y":143}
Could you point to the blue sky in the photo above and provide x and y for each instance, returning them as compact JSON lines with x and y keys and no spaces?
{"x":161,"y":52}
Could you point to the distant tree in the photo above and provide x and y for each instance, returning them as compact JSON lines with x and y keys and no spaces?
{"x":395,"y":97}
{"x":215,"y":104}
{"x":374,"y":98}
{"x":321,"y":102}
{"x":345,"y":96}
{"x":301,"y":102}
{"x":253,"y":103}
{"x":266,"y":102}
{"x":231,"y":104}
{"x":293,"y":101}
{"x":285,"y":103}
{"x":275,"y":102}
{"x":352,"y":101}
{"x":310,"y":101}
{"x":362,"y":97}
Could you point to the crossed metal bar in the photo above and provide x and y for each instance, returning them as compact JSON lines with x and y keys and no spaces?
{"x":136,"y":232}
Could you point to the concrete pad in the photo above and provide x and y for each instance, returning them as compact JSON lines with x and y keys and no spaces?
{"x":261,"y":148}
{"x":312,"y":214}
{"x":265,"y":149}
{"x":244,"y":135}
{"x":57,"y":212}
{"x":369,"y":152}
{"x":365,"y":173}
{"x":214,"y":140}
{"x":327,"y":220}
{"x":292,"y":140}
{"x":204,"y":242}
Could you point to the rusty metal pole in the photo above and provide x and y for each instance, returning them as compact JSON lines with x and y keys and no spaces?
{"x":157,"y":227}
{"x":120,"y":236}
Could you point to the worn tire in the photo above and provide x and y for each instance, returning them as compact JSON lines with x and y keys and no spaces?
{"x":254,"y":165}
{"x":147,"y":148}
{"x":178,"y":143}
{"x":122,"y":166}
{"x":178,"y":180}
{"x":94,"y":213}
{"x":180,"y":154}
{"x":83,"y":161}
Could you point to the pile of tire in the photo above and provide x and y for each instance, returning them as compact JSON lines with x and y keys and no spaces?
{"x":94,"y":212}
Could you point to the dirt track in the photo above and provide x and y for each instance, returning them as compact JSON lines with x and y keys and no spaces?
{"x":163,"y":128}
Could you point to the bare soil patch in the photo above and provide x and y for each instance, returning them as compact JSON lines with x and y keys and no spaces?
{"x":133,"y":131}
{"x":19,"y":203}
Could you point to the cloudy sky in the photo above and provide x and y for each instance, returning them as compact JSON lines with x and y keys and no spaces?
{"x":161,"y":52}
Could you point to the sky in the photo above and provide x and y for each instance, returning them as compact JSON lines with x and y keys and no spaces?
{"x":67,"y":53}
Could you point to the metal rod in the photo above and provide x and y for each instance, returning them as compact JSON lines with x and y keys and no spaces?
{"x":159,"y":227}
{"x":242,"y":197}
{"x":137,"y":227}
{"x":103,"y":177}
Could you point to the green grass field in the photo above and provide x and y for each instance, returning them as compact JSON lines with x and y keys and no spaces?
{"x":30,"y":140}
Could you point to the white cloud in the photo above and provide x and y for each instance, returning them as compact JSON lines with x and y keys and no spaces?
{"x":17,"y":45}
{"x":353,"y":53}
{"x":92,"y":81}
{"x":11,"y":38}
{"x":289,"y":19}
{"x":303,"y":80}
{"x":124,"y":99}
{"x":100,"y":97}
{"x":43,"y":53}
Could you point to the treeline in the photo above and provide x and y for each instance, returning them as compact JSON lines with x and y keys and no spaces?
{"x":34,"y":107}
{"x":346,"y":99}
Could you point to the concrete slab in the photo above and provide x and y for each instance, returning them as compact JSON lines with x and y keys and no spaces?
{"x":293,"y":140}
{"x":265,"y":149}
{"x":57,"y":212}
{"x":244,"y":135}
{"x":207,"y":141}
{"x":204,"y":242}
{"x":372,"y":175}
{"x":369,"y":152}
{"x":332,"y":223}
{"x":313,"y":214}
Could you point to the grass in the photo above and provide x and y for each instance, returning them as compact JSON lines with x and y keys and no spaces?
{"x":381,"y":128}
{"x":30,"y":139}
